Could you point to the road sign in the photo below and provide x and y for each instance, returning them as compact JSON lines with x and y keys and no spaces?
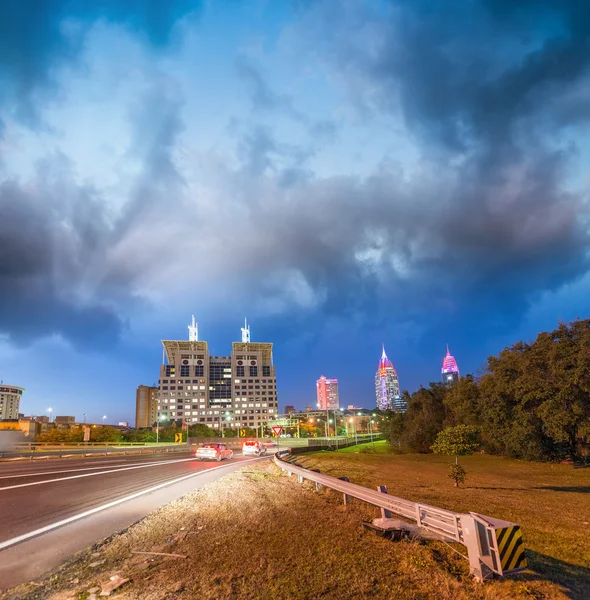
{"x":277,"y":430}
{"x":242,"y":433}
{"x":178,"y":438}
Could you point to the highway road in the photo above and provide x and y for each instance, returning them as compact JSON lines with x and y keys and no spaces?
{"x":51,"y":510}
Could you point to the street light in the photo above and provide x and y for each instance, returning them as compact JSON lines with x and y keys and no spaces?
{"x":158,"y":429}
{"x":104,"y":418}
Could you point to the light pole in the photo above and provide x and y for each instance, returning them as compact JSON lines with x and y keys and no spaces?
{"x":351,"y":420}
{"x":104,"y":418}
{"x":158,"y":419}
{"x":50,"y":410}
{"x":371,"y":433}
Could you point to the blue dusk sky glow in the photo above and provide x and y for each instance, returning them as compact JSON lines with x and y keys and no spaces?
{"x":343,"y":173}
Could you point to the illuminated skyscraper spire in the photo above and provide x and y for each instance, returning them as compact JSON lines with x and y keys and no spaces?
{"x":450,"y":369}
{"x":193,"y":331}
{"x":246,"y":332}
{"x":387,"y":385}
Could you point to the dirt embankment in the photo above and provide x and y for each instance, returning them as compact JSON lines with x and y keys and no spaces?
{"x":257,"y":534}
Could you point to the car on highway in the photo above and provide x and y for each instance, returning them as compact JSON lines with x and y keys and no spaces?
{"x":253,"y":448}
{"x":213,"y":452}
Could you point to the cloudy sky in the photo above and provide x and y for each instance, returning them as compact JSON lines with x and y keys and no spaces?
{"x":343,"y":173}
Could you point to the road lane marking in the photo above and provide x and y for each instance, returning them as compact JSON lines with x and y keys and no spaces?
{"x":92,"y":511}
{"x":116,"y":470}
{"x":76,"y":470}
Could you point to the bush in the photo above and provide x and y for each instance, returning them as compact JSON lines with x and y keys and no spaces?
{"x":457,"y":474}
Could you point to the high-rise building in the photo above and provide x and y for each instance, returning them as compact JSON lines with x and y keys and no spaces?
{"x":327,"y":393}
{"x":238,"y":390}
{"x":289,"y":408}
{"x":387,"y":386}
{"x":450,"y":370}
{"x":10,"y":396}
{"x":146,"y":406}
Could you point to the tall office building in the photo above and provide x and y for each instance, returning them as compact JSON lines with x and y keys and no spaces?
{"x":450,"y":370}
{"x":327,"y":393}
{"x":10,"y":396}
{"x":387,"y":386}
{"x":238,"y":390}
{"x":146,"y":406}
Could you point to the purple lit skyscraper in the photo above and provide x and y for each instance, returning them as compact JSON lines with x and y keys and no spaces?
{"x":387,"y":386}
{"x":450,"y":370}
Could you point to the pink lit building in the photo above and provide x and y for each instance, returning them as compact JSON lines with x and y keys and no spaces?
{"x":327,"y":392}
{"x":450,"y":369}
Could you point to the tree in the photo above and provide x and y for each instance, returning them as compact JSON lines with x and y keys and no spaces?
{"x":457,"y":441}
{"x":424,"y":417}
{"x":201,"y":430}
{"x":55,"y":435}
{"x":105,"y":434}
{"x":462,"y":403}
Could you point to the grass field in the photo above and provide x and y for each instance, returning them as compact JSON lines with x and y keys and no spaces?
{"x":551,"y":502}
{"x":257,"y":534}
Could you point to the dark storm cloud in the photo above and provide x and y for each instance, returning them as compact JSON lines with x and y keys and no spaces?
{"x":67,"y":266}
{"x":486,"y":90}
{"x":50,"y":232}
{"x":39,"y":36}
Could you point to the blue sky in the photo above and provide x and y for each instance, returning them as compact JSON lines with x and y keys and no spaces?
{"x":343,"y":173}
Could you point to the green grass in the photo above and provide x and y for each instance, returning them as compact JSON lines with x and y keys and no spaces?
{"x":551,"y":502}
{"x":379,"y":447}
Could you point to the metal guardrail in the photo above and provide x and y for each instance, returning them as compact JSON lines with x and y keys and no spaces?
{"x":66,"y":452}
{"x":494,"y":546}
{"x":45,"y":445}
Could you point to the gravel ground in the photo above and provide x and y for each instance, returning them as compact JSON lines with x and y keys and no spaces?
{"x":258,"y":534}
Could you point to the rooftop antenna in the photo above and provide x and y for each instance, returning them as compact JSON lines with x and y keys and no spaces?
{"x":246,"y":333}
{"x":193,"y":331}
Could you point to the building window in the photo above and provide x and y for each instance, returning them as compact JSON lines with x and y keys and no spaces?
{"x":184,"y":370}
{"x":253,"y":371}
{"x":265,"y":371}
{"x":199,"y":371}
{"x":240,"y":371}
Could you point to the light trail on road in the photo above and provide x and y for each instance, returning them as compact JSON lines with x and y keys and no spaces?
{"x":115,"y":470}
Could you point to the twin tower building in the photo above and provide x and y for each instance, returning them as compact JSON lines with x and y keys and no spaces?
{"x":387,"y":383}
{"x":235,"y":390}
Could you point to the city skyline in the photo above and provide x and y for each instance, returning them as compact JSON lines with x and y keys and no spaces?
{"x":349,"y":177}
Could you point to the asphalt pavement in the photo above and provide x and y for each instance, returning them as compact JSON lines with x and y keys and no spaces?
{"x":55,"y":508}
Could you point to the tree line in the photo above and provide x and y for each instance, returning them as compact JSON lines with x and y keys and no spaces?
{"x":166,"y":433}
{"x":532,"y":402}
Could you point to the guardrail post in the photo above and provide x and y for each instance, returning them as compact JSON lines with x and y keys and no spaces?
{"x":471,"y":541}
{"x":318,"y":486}
{"x":299,"y":478}
{"x":347,"y":498}
{"x":385,"y":514}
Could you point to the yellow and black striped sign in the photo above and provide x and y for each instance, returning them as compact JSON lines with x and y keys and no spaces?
{"x":511,"y":548}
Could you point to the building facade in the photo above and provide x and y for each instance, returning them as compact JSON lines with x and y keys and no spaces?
{"x":290,"y":409}
{"x":232,"y":391}
{"x":327,"y":393}
{"x":10,"y":396}
{"x":450,"y":369}
{"x":387,"y":386}
{"x":146,"y":406}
